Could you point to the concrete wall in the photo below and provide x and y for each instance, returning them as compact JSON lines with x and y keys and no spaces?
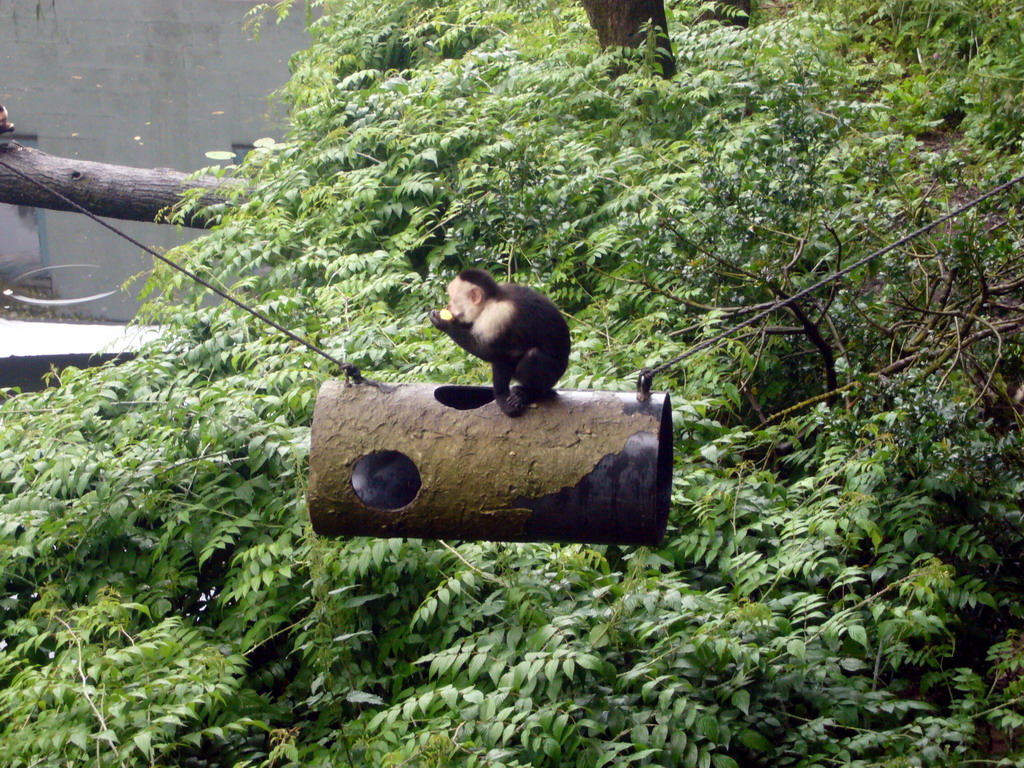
{"x":151,"y":83}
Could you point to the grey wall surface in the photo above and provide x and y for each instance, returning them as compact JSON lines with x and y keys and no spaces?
{"x":149,"y":83}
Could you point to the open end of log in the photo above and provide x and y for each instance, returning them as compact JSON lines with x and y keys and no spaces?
{"x":464,"y":398}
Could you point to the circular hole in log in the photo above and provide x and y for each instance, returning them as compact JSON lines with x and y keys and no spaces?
{"x":386,"y":480}
{"x":464,"y":398}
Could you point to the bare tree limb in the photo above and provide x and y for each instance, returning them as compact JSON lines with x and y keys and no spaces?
{"x":114,"y":191}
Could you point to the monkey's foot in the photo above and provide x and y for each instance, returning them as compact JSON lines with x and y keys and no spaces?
{"x":518,"y":399}
{"x":512,"y":405}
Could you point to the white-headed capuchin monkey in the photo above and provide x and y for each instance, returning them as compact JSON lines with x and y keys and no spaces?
{"x":514,"y":328}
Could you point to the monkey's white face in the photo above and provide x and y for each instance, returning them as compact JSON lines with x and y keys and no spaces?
{"x":465,"y":300}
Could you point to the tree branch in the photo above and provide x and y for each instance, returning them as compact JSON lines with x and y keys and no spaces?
{"x":114,"y":191}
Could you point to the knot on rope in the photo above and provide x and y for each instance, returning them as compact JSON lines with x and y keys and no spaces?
{"x":353,"y":373}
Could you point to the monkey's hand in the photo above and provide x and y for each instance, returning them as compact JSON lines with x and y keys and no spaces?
{"x":461,"y":333}
{"x":444,"y":320}
{"x":441,"y":319}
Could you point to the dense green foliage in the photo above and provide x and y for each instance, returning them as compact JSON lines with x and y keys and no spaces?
{"x":840,"y":584}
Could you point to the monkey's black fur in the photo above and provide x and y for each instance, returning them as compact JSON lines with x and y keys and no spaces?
{"x":530,"y":344}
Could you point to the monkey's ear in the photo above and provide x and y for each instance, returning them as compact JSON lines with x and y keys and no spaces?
{"x":476,"y":295}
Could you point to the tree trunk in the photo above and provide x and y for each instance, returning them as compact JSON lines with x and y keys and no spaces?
{"x":621,"y":22}
{"x":114,"y":191}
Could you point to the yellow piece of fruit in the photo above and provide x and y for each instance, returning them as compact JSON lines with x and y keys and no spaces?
{"x":445,"y":314}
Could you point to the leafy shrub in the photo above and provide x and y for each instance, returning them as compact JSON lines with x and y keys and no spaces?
{"x":959,"y":62}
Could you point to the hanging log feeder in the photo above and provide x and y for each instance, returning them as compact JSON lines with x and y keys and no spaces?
{"x":443,"y":462}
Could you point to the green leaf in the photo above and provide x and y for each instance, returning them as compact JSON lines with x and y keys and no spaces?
{"x":707,"y":726}
{"x":79,"y":739}
{"x":144,"y":741}
{"x":754,"y":741}
{"x":797,"y":649}
{"x":858,"y":634}
{"x":741,"y":700}
{"x":361,"y":697}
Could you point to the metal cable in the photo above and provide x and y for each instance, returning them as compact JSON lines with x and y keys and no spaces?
{"x":646,"y":375}
{"x":349,"y":369}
